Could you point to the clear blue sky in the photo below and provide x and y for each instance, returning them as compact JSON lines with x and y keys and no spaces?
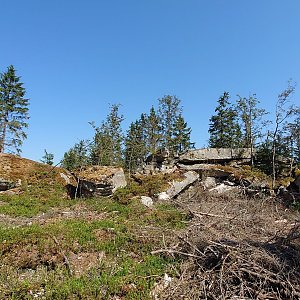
{"x":76,"y":57}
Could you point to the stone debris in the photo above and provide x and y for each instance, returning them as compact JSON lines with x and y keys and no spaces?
{"x":160,"y":287}
{"x":209,"y":182}
{"x":95,"y":181}
{"x":147,"y":201}
{"x":179,"y":186}
{"x":223,"y":188}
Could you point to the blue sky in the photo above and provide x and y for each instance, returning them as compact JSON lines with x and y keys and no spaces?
{"x":76,"y":57}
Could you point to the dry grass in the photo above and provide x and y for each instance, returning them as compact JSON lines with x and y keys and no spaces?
{"x":236,"y":248}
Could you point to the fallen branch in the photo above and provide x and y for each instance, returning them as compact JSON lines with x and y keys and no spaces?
{"x":171,"y":251}
{"x":199,"y":214}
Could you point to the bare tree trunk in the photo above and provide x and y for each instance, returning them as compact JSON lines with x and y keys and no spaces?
{"x":2,"y":141}
{"x":274,"y":156}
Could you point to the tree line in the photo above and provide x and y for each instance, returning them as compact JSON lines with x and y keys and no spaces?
{"x":162,"y":128}
{"x":236,"y":123}
{"x":242,"y":123}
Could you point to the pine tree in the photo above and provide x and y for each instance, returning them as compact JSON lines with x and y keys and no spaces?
{"x":182,"y":135}
{"x":224,"y":130}
{"x":153,"y":133}
{"x":77,"y":156}
{"x":108,"y":140}
{"x":47,"y":158}
{"x":292,"y":130}
{"x":135,"y":145}
{"x":13,"y":112}
{"x":169,"y":110}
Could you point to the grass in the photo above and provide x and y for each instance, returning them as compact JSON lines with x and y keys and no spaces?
{"x":32,"y":257}
{"x":34,"y":200}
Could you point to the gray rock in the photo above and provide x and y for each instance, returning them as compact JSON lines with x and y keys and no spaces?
{"x":208,"y":170}
{"x":178,"y":186}
{"x":163,"y":196}
{"x":208,"y":183}
{"x":97,"y":181}
{"x":147,"y":201}
{"x":6,"y":184}
{"x":65,"y":177}
{"x":118,"y":180}
{"x":215,"y":155}
{"x":222,"y":189}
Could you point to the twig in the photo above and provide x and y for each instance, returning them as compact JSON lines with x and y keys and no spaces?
{"x":170,"y":251}
{"x":198,"y":214}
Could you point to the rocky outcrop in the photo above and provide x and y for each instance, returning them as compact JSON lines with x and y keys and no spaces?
{"x":216,"y":155}
{"x":206,"y":170}
{"x":178,"y":186}
{"x":16,"y":171}
{"x":95,"y":181}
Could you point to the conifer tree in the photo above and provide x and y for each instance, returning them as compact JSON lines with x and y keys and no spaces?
{"x":169,"y":110}
{"x":153,"y":132}
{"x":292,"y":130}
{"x":135,"y":144}
{"x":108,"y":140}
{"x":77,"y":156}
{"x":47,"y":158}
{"x":182,"y":135}
{"x":224,"y":129}
{"x":13,"y":111}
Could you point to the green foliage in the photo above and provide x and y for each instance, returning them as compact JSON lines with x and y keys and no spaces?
{"x":108,"y":140}
{"x":32,"y":259}
{"x":154,"y":133}
{"x":251,"y":116}
{"x":36,"y":199}
{"x":164,"y":129}
{"x":149,"y":185}
{"x":47,"y":158}
{"x":13,"y":111}
{"x":77,"y":156}
{"x":135,"y":144}
{"x":169,"y":111}
{"x":182,"y":135}
{"x":224,"y":129}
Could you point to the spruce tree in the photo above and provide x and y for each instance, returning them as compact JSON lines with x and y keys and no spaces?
{"x":224,"y":129}
{"x":13,"y":112}
{"x":135,"y":144}
{"x":77,"y":156}
{"x":47,"y":158}
{"x":182,"y":135}
{"x":108,"y":140}
{"x":169,"y":110}
{"x":153,"y":132}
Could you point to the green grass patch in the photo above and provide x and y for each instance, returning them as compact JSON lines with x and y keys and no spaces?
{"x":35,"y":200}
{"x":32,"y":263}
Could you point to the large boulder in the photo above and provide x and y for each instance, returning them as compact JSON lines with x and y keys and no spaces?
{"x":178,"y":186}
{"x":215,"y":155}
{"x":95,"y":181}
{"x":207,"y":170}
